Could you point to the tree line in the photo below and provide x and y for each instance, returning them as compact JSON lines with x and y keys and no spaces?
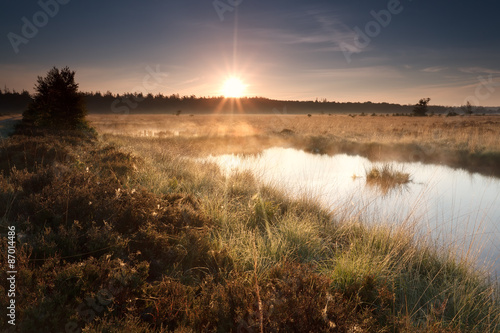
{"x":137,"y":103}
{"x":133,"y":103}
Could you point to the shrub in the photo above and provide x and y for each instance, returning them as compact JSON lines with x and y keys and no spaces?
{"x":421,"y":107}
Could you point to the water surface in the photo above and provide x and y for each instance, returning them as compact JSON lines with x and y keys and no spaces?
{"x":452,"y":206}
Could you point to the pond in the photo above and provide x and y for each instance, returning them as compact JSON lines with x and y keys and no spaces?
{"x":452,"y":206}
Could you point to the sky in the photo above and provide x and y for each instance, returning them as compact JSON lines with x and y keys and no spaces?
{"x":354,"y":50}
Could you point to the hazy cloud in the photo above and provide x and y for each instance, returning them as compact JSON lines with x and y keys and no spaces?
{"x":382,"y":72}
{"x":479,"y":70}
{"x":434,"y":69}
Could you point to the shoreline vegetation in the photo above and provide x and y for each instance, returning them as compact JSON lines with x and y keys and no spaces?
{"x":386,"y":177}
{"x":469,"y":143}
{"x":117,"y":232}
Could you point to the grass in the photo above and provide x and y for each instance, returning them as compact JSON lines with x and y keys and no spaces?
{"x":463,"y":133}
{"x":256,"y":224}
{"x":470,"y":143}
{"x":120,"y":233}
{"x":386,"y":177}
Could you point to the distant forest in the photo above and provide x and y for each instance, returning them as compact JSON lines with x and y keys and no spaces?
{"x":136,"y":103}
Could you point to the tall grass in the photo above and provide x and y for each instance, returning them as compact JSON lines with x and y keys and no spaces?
{"x":412,"y":283}
{"x":168,"y":243}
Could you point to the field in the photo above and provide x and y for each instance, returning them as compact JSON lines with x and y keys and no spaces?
{"x":473,"y":133}
{"x":462,"y":142}
{"x":120,"y":231}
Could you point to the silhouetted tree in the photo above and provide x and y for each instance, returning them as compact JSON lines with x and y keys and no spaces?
{"x":57,"y":102}
{"x":468,"y":109}
{"x":421,"y":108}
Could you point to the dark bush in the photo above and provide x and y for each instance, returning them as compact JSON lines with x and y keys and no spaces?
{"x":421,"y":108}
{"x":57,"y":102}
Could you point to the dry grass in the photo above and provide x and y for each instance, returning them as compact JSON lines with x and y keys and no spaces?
{"x":469,"y":143}
{"x":386,"y":177}
{"x":176,"y":245}
{"x":471,"y":133}
{"x":406,"y":283}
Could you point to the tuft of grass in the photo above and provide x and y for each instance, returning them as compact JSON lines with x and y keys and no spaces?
{"x":386,"y":177}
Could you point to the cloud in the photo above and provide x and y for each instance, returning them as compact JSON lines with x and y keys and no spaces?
{"x":360,"y":73}
{"x":189,"y":81}
{"x":478,"y":70}
{"x":326,"y":33}
{"x":316,"y":38}
{"x":434,"y":69}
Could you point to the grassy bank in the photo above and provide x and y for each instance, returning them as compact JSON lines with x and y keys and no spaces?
{"x":470,"y":143}
{"x":120,"y":233}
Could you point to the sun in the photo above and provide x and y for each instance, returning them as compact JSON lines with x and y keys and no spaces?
{"x":233,"y":87}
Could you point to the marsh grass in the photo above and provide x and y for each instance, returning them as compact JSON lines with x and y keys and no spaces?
{"x":188,"y":248}
{"x":470,"y":143}
{"x":386,"y":177}
{"x":407,"y":280}
{"x":472,"y":133}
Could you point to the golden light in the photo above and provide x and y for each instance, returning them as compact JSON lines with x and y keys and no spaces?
{"x":233,"y":88}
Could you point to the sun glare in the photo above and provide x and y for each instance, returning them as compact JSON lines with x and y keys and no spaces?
{"x":233,"y":88}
